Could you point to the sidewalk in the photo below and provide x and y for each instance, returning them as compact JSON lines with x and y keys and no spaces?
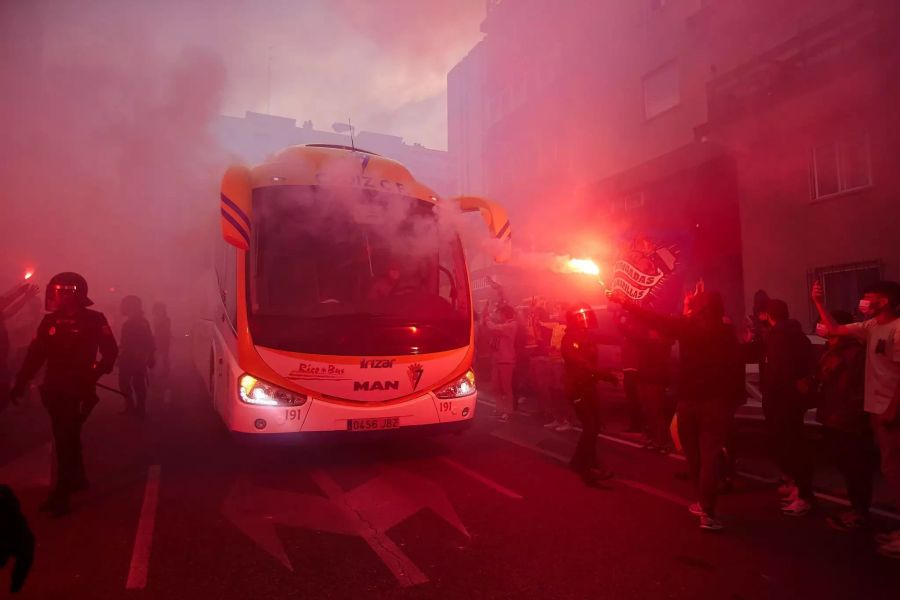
{"x":753,"y":461}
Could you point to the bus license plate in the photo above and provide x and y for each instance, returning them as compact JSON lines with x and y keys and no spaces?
{"x":373,"y":424}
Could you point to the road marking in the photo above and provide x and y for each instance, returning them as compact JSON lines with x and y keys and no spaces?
{"x":647,"y":489}
{"x":887,"y":514}
{"x":480,"y":478}
{"x":406,"y":572}
{"x":143,"y":539}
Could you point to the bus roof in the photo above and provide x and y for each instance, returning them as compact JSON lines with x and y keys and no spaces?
{"x":338,"y":166}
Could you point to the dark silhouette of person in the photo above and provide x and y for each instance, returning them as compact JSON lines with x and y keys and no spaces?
{"x":16,"y":539}
{"x":136,"y":354}
{"x":67,"y":341}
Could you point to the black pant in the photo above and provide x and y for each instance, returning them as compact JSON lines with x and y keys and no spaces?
{"x":855,"y":457}
{"x":632,"y":400}
{"x":702,"y":428}
{"x":64,"y":408}
{"x":133,"y":382}
{"x":792,"y":452}
{"x":583,"y":396}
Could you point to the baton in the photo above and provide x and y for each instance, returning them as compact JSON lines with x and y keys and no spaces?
{"x":112,"y":389}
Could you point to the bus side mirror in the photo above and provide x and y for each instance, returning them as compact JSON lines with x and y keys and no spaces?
{"x":235,"y":196}
{"x":495,"y":218}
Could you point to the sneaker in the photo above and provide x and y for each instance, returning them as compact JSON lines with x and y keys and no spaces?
{"x":848,"y":521}
{"x":695,"y":509}
{"x":797,"y":508}
{"x":710,"y":523}
{"x":890,"y":549}
{"x":886,"y":538}
{"x":564,"y":426}
{"x":504,"y":418}
{"x":552,"y":424}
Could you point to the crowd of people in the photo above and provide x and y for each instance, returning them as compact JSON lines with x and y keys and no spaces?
{"x":852,"y":382}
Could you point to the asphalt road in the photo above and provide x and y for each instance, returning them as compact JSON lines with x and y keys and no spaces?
{"x":177,"y":509}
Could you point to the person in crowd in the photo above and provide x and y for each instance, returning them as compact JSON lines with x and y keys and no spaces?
{"x":162,"y":336}
{"x":630,"y":359}
{"x":579,"y":353}
{"x":840,"y":377}
{"x":710,"y":375}
{"x":785,"y":386}
{"x":557,"y":406}
{"x":68,"y":340}
{"x":503,"y":328}
{"x":10,"y":303}
{"x":16,"y":539}
{"x":880,"y":305}
{"x":136,"y":356}
{"x":654,"y":373}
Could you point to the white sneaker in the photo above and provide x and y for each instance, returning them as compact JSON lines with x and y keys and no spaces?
{"x":564,"y":426}
{"x":887,"y":538}
{"x":797,"y":508}
{"x":552,"y":424}
{"x":504,"y":418}
{"x":891,"y":549}
{"x":695,"y":509}
{"x":709,"y":523}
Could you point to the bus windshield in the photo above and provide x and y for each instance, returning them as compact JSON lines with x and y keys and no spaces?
{"x":354,"y":273}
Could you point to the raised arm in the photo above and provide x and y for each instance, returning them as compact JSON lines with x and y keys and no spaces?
{"x":668,"y":325}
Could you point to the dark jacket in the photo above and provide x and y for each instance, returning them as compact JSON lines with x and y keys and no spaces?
{"x":711,"y":368}
{"x":579,"y":354}
{"x":788,"y":360}
{"x":137,"y":344}
{"x":840,"y":379}
{"x":69,"y":346}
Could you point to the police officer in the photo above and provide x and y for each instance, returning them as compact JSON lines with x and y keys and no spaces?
{"x":67,"y":341}
{"x":579,"y":353}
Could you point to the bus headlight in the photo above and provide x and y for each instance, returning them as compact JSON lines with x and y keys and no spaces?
{"x":261,"y":393}
{"x":464,"y":386}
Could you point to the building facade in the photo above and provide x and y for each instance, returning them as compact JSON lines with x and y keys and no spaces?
{"x":809,"y":110}
{"x":763,"y":132}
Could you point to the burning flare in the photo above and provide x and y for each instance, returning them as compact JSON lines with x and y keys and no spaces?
{"x":29,"y":274}
{"x":581,"y":265}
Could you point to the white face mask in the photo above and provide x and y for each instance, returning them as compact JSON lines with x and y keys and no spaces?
{"x":821,"y":330}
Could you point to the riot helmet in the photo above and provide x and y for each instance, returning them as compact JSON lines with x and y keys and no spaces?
{"x":581,"y":316}
{"x":67,"y":290}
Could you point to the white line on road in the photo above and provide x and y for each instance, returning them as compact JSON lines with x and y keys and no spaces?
{"x":143,"y":539}
{"x":480,"y":478}
{"x":647,"y":489}
{"x":406,"y":572}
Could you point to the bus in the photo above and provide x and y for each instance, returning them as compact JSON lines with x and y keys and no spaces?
{"x":343,"y":300}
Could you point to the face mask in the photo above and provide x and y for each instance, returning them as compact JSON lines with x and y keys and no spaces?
{"x":821,"y":330}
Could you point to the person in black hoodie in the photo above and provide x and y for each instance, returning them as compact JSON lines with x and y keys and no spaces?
{"x":710,"y":377}
{"x":785,"y":397}
{"x":840,"y":379}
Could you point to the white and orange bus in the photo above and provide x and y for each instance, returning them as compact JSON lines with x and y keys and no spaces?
{"x":343,"y":298}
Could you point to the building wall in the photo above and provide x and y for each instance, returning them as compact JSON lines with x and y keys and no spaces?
{"x":465,"y":121}
{"x":828,"y":77}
